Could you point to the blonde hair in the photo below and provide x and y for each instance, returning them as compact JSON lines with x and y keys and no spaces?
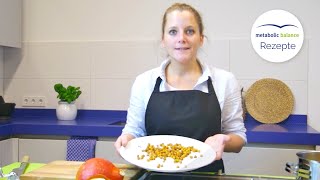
{"x":183,"y":7}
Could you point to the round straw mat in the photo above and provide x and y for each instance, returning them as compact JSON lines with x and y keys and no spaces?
{"x":269,"y":101}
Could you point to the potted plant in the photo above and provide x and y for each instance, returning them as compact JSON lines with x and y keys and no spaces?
{"x":67,"y":109}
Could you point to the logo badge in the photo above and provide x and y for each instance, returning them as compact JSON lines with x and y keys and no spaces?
{"x":277,"y":36}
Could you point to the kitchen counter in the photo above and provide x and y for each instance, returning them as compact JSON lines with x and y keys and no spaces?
{"x":99,"y":123}
{"x":143,"y":175}
{"x":107,"y":123}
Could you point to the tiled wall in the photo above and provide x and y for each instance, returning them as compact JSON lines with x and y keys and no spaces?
{"x":105,"y":70}
{"x":248,"y":67}
{"x":102,"y":45}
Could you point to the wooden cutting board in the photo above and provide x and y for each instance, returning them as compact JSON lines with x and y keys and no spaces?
{"x":67,"y":170}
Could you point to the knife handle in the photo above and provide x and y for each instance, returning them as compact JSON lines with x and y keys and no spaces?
{"x":25,"y":158}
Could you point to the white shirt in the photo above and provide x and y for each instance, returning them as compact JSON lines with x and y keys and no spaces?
{"x":225,"y":85}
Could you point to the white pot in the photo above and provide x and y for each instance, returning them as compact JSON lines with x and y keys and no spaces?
{"x":66,"y":111}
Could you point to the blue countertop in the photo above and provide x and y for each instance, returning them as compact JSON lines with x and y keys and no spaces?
{"x":107,"y":123}
{"x":99,"y":123}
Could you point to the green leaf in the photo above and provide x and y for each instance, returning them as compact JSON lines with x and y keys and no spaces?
{"x":68,"y":94}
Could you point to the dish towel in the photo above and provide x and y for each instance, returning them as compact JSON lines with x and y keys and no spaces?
{"x":81,"y":148}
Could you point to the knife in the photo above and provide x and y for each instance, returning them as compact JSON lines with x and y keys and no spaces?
{"x":23,"y":166}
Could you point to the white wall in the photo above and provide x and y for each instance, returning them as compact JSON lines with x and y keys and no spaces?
{"x":102,"y":45}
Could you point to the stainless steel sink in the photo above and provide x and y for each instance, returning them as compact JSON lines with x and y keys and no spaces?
{"x":118,"y":123}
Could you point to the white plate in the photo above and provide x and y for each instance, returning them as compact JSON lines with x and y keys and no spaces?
{"x":136,"y":146}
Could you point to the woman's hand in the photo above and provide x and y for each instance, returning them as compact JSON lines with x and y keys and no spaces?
{"x":218,"y":142}
{"x":123,"y":141}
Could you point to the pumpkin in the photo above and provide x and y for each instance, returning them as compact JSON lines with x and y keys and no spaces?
{"x":98,"y":168}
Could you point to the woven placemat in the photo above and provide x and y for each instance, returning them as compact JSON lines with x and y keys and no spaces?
{"x":269,"y":101}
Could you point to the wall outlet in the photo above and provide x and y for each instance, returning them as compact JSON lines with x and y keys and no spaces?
{"x":34,"y":101}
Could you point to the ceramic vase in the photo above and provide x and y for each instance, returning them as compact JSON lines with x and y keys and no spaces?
{"x":66,"y":111}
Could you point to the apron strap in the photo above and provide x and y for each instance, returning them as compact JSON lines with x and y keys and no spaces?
{"x":156,"y":87}
{"x":210,"y":86}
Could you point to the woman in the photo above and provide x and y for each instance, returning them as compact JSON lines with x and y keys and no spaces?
{"x":184,"y":96}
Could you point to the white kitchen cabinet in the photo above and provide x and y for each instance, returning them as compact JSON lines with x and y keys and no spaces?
{"x":260,"y":160}
{"x":253,"y":159}
{"x":1,"y":71}
{"x":10,"y":23}
{"x":43,"y":150}
{"x":105,"y":149}
{"x":8,"y":151}
{"x":47,"y":150}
